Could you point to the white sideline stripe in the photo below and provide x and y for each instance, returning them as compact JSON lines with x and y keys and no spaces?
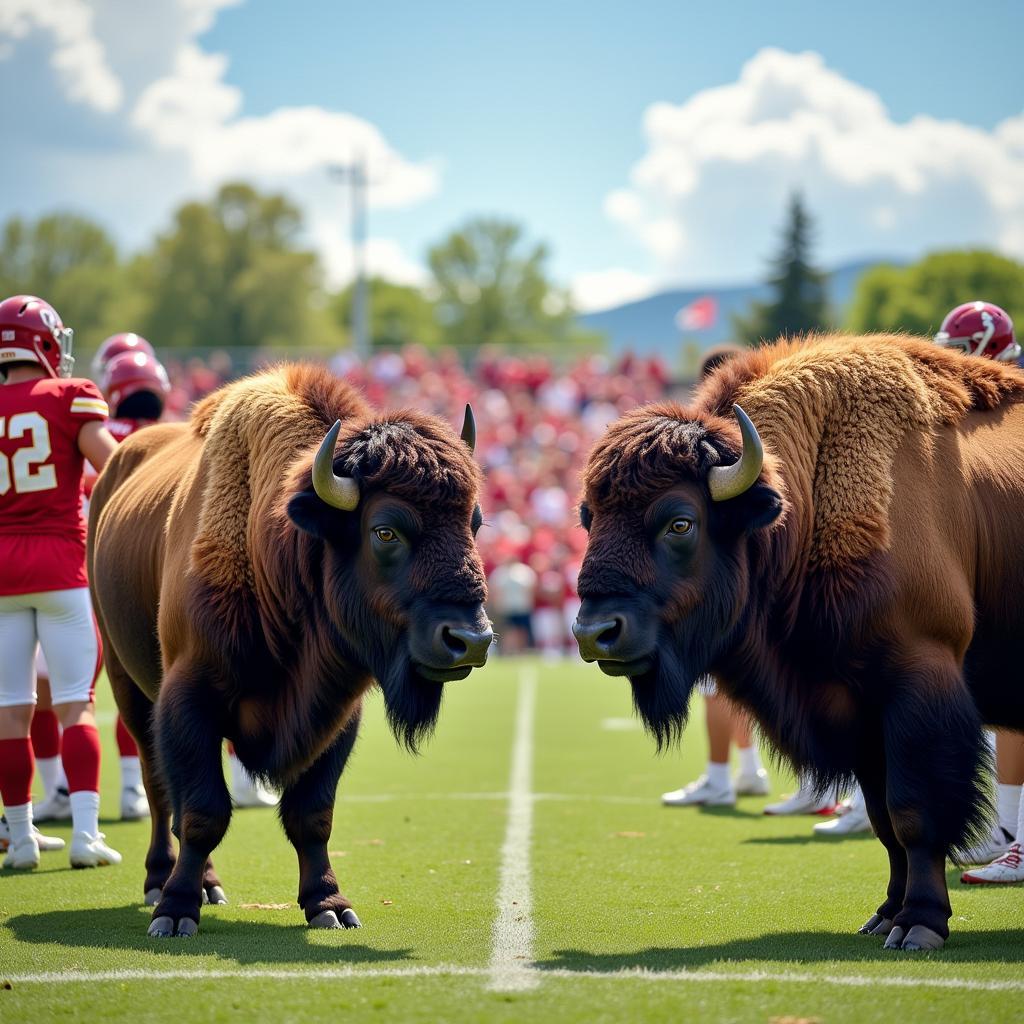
{"x":512,"y":946}
{"x":457,"y":971}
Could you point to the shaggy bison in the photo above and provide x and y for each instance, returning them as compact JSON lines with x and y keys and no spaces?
{"x":254,"y":571}
{"x":856,"y":584}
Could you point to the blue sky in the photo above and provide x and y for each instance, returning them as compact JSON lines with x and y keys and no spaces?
{"x":649,"y":143}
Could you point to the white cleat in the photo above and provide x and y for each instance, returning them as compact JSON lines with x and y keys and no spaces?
{"x":56,"y":807}
{"x":23,"y":855}
{"x":1005,"y":870}
{"x":91,"y":851}
{"x":700,"y":794}
{"x":852,"y":819}
{"x":998,"y":842}
{"x":752,"y":785}
{"x":803,"y":801}
{"x":134,"y":805}
{"x":47,"y":844}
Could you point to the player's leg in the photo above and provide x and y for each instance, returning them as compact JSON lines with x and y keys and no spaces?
{"x":17,"y":700}
{"x":70,"y":641}
{"x":55,"y":805}
{"x":751,"y":779}
{"x":714,"y":788}
{"x":134,"y":804}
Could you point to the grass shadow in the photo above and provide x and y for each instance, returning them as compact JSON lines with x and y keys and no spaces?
{"x":797,"y":948}
{"x":810,"y":838}
{"x":246,"y":942}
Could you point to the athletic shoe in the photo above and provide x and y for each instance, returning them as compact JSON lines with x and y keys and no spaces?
{"x":56,"y":807}
{"x":997,"y":843}
{"x":90,"y":851}
{"x":752,"y":785}
{"x":701,"y":793}
{"x":852,"y":819}
{"x":1005,"y":870}
{"x":23,"y":855}
{"x":134,"y":804}
{"x":47,"y":844}
{"x":803,"y":801}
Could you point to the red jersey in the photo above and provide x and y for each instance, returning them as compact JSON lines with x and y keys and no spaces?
{"x":42,"y":532}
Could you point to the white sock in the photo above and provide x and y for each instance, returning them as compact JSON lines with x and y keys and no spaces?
{"x":241,"y":780}
{"x":85,"y":811}
{"x":718,"y":775}
{"x":1008,"y":804}
{"x":750,"y":760}
{"x":1020,"y":819}
{"x":50,"y":773}
{"x":131,"y":773}
{"x":19,"y":821}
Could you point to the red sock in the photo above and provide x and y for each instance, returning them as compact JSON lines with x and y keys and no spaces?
{"x":46,"y":733}
{"x":81,"y":754}
{"x":125,"y":744}
{"x":16,"y":768}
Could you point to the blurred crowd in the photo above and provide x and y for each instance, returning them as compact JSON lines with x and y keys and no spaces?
{"x":536,"y":423}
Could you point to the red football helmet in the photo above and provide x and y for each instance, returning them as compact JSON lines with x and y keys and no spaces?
{"x":31,"y":332}
{"x":114,"y":346}
{"x":980,"y":329}
{"x":131,"y":373}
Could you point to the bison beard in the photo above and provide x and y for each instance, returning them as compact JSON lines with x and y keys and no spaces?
{"x":411,"y":703}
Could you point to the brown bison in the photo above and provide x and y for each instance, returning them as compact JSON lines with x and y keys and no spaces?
{"x":254,"y":571}
{"x":855,"y":583}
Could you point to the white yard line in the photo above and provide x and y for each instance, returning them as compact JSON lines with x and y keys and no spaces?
{"x":512,"y":947}
{"x":458,"y":971}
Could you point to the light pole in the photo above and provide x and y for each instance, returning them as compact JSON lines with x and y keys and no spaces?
{"x":354,"y":174}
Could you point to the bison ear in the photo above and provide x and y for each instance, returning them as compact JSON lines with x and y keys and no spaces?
{"x":757,"y":507}
{"x":314,"y":516}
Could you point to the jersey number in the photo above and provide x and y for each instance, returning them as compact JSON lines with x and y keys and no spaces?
{"x":26,"y":466}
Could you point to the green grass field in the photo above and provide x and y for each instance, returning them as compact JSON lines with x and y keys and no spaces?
{"x":622,"y":909}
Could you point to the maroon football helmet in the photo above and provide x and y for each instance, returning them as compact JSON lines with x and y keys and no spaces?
{"x":31,"y":332}
{"x":114,"y":346}
{"x":980,"y":329}
{"x":129,"y":374}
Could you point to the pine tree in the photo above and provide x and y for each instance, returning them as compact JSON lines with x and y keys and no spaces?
{"x":799,"y":301}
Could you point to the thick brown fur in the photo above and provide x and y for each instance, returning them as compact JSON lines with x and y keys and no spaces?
{"x":856,"y":599}
{"x":234,"y":603}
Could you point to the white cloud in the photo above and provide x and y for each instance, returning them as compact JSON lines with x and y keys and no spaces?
{"x":78,"y":56}
{"x":706,"y":198}
{"x":602,"y":289}
{"x":384,"y":257}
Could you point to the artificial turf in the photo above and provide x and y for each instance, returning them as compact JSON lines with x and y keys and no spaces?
{"x":722,"y":910}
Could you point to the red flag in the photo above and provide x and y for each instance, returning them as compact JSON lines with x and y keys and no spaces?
{"x":698,"y":315}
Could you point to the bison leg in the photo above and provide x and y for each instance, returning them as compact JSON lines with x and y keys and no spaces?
{"x":872,"y":784}
{"x":935,"y":756}
{"x":307,"y":813}
{"x":137,"y":713}
{"x":190,"y":756}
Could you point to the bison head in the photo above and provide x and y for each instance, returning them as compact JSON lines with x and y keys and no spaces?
{"x":676,"y":505}
{"x":393,"y":505}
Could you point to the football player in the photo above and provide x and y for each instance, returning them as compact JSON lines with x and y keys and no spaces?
{"x":50,"y":423}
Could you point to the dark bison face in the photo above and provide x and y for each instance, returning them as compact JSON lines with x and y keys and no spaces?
{"x":676,"y":517}
{"x":403,"y":584}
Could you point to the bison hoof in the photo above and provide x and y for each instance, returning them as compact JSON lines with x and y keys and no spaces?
{"x":329,"y":919}
{"x":152,"y":897}
{"x":215,"y":894}
{"x":921,"y":937}
{"x":876,"y":925}
{"x":163,"y":928}
{"x":895,"y":939}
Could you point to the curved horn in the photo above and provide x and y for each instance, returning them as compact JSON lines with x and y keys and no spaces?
{"x":337,"y":491}
{"x":727,"y":482}
{"x":469,"y":428}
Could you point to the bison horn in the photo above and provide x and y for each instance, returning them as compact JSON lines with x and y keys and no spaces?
{"x":727,"y":482}
{"x":469,"y":428}
{"x":337,"y":491}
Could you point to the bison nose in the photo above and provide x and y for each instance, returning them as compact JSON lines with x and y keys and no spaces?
{"x":460,"y":646}
{"x":599,"y":640}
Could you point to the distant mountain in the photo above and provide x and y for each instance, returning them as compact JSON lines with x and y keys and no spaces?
{"x":648,"y":326}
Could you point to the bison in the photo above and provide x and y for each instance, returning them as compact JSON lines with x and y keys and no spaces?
{"x":854,"y":581}
{"x":254,"y":571}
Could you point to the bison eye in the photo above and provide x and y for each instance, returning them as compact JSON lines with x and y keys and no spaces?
{"x":385,"y":535}
{"x":680,"y":527}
